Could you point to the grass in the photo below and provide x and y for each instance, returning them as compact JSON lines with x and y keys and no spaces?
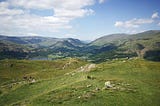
{"x":136,"y":83}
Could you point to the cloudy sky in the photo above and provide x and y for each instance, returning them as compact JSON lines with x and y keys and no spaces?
{"x":82,"y":19}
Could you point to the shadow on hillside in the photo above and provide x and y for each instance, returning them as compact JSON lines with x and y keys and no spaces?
{"x":152,"y":55}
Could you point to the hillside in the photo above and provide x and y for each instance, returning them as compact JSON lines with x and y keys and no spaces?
{"x":37,"y":47}
{"x":113,"y":38}
{"x":41,"y":41}
{"x":144,"y":45}
{"x":112,"y":70}
{"x":133,"y":82}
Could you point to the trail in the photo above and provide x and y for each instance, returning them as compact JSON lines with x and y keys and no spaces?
{"x":86,"y":68}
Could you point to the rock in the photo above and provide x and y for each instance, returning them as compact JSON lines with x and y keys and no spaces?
{"x":33,"y":81}
{"x":67,"y":73}
{"x":108,"y":84}
{"x":89,"y":86}
{"x":97,"y":89}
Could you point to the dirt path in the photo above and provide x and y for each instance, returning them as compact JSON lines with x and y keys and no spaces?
{"x":86,"y":68}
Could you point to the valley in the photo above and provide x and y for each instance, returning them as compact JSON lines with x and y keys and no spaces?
{"x":108,"y":47}
{"x":117,"y":69}
{"x":79,"y":53}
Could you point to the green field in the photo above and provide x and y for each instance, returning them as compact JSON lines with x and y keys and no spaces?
{"x":75,"y":82}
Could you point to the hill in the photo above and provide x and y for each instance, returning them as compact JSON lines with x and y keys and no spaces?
{"x":65,"y":82}
{"x":41,"y":41}
{"x":37,"y":47}
{"x":113,"y":38}
{"x":144,"y":45}
{"x":120,"y":75}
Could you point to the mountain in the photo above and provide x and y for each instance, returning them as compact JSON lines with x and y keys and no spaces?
{"x":144,"y":45}
{"x":113,"y":38}
{"x":36,"y":46}
{"x":43,"y":41}
{"x":23,"y":40}
{"x":120,"y":38}
{"x":75,"y":42}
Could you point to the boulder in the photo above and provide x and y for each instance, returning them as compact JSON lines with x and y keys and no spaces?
{"x":108,"y":84}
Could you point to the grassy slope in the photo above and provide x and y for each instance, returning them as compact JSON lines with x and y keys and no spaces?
{"x":145,"y":45}
{"x":15,"y":70}
{"x":138,"y":82}
{"x":147,"y":39}
{"x":113,"y":38}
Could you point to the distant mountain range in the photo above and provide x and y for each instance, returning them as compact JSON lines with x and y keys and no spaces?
{"x":144,"y":45}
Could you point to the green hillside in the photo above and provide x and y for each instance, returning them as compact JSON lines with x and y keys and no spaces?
{"x":143,"y":45}
{"x":113,"y":38}
{"x":74,"y":82}
{"x":38,"y":47}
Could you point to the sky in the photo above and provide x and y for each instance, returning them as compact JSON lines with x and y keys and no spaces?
{"x":81,"y":19}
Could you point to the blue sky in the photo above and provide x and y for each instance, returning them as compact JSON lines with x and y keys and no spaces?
{"x":82,"y":19}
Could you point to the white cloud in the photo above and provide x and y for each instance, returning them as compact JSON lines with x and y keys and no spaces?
{"x":101,"y":1}
{"x":5,"y":11}
{"x":17,"y":18}
{"x":134,"y":23}
{"x":4,"y":4}
{"x":119,"y":24}
{"x":137,"y":25}
{"x":48,"y":4}
{"x":72,"y":14}
{"x":155,"y":15}
{"x":31,"y":4}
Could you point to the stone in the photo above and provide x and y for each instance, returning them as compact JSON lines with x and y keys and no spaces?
{"x":33,"y":81}
{"x":108,"y":84}
{"x":97,"y":89}
{"x":89,"y":86}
